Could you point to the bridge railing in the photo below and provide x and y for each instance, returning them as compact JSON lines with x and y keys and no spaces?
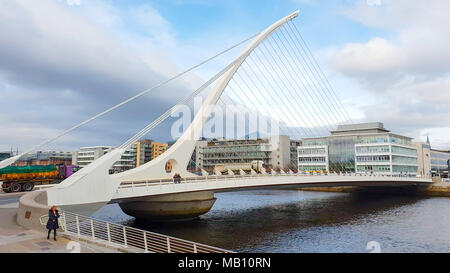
{"x":149,"y":183}
{"x":136,"y":240}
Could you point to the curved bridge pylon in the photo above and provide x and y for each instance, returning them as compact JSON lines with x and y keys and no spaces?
{"x":93,"y":184}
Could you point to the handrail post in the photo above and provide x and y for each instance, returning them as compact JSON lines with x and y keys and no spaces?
{"x":64,"y":221}
{"x":78,"y":225}
{"x":195,"y":248}
{"x":168,"y":245}
{"x":145,"y":242}
{"x":125,"y":236}
{"x":92,"y":229}
{"x":108,"y":232}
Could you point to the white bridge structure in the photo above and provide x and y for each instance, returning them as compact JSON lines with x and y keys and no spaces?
{"x":148,"y":191}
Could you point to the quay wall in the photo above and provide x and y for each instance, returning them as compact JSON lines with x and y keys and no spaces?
{"x":438,"y":189}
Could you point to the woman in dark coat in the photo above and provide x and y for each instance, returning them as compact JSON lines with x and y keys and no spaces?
{"x":52,"y":222}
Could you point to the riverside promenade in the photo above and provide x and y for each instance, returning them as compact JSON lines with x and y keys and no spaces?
{"x":78,"y":233}
{"x":17,"y":239}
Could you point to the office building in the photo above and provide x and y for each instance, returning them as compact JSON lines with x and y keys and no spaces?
{"x":158,"y":149}
{"x":86,"y":155}
{"x":360,"y":148}
{"x":440,"y":162}
{"x":45,"y":158}
{"x":136,"y":155}
{"x":5,"y":155}
{"x":423,"y":157}
{"x":276,"y":152}
{"x":433,"y":162}
{"x":144,"y":151}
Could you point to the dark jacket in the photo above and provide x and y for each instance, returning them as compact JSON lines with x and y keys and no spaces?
{"x":177,"y":178}
{"x":52,"y":222}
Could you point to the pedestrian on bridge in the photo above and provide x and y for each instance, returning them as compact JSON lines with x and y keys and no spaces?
{"x":177,"y":178}
{"x":52,"y":223}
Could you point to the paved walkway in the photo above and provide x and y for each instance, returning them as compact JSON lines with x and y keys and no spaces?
{"x":16,"y":239}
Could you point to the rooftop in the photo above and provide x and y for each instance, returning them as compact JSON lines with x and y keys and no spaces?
{"x":370,"y":127}
{"x":441,"y":151}
{"x":96,"y":147}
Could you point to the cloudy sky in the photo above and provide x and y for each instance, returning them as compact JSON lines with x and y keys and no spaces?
{"x":62,"y":61}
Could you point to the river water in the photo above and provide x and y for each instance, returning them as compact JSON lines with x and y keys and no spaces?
{"x":300,"y":221}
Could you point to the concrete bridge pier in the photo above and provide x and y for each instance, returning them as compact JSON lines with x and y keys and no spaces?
{"x":173,"y":207}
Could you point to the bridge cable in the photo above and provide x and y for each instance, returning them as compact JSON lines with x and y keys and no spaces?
{"x":316,"y":99}
{"x":135,"y":97}
{"x":282,"y":75}
{"x":274,"y":81}
{"x":250,"y":89}
{"x":296,"y":60}
{"x":315,"y":76}
{"x":183,"y":101}
{"x":246,"y":66}
{"x":273,"y":99}
{"x":281,"y":89}
{"x":254,"y":80}
{"x":241,"y":158}
{"x":316,"y":82}
{"x":284,"y":95}
{"x":280,"y":70}
{"x":243,"y":68}
{"x":320,"y":114}
{"x":319,"y":69}
{"x":306,"y":66}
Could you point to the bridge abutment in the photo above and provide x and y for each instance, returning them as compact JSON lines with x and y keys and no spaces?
{"x":174,"y":207}
{"x":32,"y":206}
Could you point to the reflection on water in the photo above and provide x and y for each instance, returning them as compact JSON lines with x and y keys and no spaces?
{"x":297,"y":221}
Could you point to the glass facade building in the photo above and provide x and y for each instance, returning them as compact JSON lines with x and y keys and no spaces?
{"x":5,"y":155}
{"x":360,"y":148}
{"x":440,"y":163}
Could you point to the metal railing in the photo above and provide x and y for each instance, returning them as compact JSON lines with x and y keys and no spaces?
{"x":136,"y":240}
{"x":166,"y":181}
{"x":211,"y":178}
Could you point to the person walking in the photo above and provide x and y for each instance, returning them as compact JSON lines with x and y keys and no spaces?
{"x":52,"y":223}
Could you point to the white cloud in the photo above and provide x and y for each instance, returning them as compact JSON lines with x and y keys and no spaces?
{"x":73,"y":2}
{"x":377,"y":58}
{"x":373,"y":2}
{"x":407,"y":69}
{"x":58,"y":70}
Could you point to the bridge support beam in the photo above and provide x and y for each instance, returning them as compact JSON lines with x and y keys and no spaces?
{"x":183,"y":206}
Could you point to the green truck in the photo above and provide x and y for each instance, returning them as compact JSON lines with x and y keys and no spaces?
{"x":24,"y":178}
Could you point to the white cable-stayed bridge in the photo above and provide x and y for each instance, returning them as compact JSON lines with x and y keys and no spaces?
{"x":276,"y":76}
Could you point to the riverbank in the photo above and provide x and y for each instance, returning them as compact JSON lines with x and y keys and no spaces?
{"x":16,"y":239}
{"x":438,"y":189}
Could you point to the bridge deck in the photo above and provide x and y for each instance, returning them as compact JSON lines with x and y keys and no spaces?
{"x":134,"y":189}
